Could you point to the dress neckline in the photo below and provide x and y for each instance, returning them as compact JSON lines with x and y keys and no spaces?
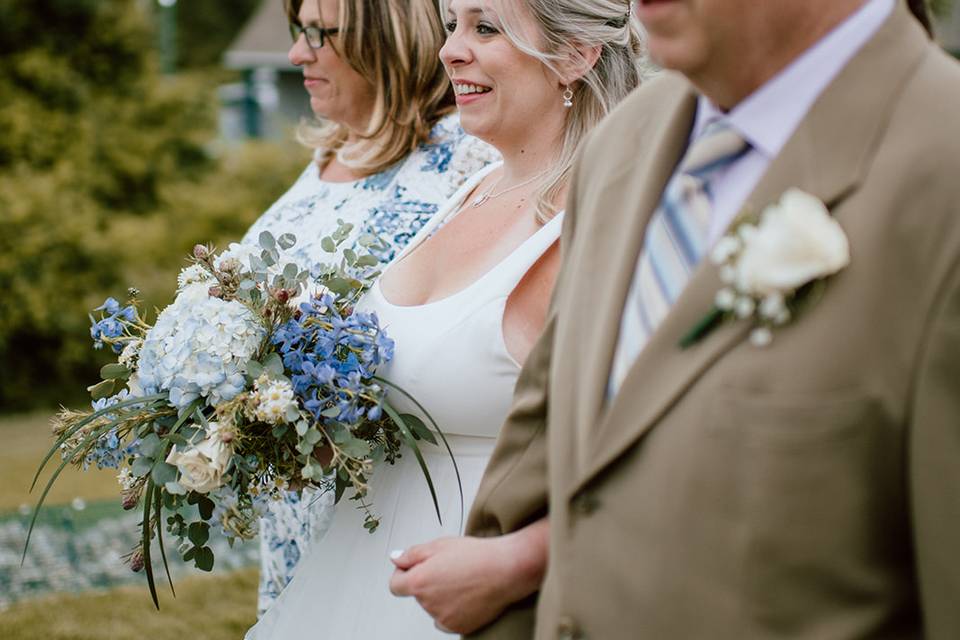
{"x":476,"y":283}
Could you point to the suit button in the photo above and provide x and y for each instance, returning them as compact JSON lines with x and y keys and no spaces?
{"x":567,"y":629}
{"x":585,"y":503}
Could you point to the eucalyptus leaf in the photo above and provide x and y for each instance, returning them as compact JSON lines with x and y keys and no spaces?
{"x":175,"y":489}
{"x":142,"y":467}
{"x":328,"y":245}
{"x":287,"y":241}
{"x":102,"y":390}
{"x":163,"y":473}
{"x":312,"y":437}
{"x":204,"y":559}
{"x":205,"y":505}
{"x":199,"y":533}
{"x":254,"y":369}
{"x":114,"y":371}
{"x":356,"y":448}
{"x":339,"y":286}
{"x":274,"y":364}
{"x":367,"y":260}
{"x":150,"y":445}
{"x":267,"y":241}
{"x":291,"y":271}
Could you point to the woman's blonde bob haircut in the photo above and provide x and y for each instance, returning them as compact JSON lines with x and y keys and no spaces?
{"x":564,"y":28}
{"x":393,"y":44}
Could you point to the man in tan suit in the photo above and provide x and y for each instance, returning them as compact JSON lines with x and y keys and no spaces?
{"x":809,"y":488}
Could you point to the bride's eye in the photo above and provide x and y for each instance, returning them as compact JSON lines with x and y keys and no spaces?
{"x":485,"y":29}
{"x":450,"y":26}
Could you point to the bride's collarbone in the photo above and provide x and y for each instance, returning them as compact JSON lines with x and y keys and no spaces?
{"x":471,"y":244}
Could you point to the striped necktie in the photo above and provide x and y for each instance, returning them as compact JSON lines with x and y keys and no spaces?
{"x":675,"y":241}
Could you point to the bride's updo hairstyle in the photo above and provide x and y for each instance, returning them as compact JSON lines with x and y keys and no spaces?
{"x":562,"y":26}
{"x":393,"y":44}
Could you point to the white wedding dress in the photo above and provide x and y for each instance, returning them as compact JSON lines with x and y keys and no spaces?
{"x":450,"y":355}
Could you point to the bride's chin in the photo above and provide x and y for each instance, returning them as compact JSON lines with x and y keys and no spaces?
{"x":477,"y":126}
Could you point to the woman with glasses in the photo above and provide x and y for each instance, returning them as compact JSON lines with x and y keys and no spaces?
{"x":389,"y":151}
{"x":466,"y":300}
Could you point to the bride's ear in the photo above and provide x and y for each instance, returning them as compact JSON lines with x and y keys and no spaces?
{"x":578,"y":63}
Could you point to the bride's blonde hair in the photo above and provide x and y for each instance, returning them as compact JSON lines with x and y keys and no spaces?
{"x":562,"y":27}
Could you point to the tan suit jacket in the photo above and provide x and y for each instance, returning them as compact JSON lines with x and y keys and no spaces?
{"x":806,"y":490}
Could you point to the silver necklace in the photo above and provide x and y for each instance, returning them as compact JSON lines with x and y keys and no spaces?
{"x":490,"y":195}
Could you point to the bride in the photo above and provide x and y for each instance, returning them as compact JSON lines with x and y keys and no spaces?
{"x":468,"y":297}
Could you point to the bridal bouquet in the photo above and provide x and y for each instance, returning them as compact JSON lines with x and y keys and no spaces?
{"x":246,"y":386}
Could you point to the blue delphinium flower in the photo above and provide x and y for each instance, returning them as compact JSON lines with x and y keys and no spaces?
{"x":111,"y":325}
{"x":109,"y":452}
{"x":111,"y":306}
{"x":331,"y":359}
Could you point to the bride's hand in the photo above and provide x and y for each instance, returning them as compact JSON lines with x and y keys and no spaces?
{"x":465,"y":583}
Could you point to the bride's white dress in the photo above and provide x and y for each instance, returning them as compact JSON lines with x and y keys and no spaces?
{"x":450,"y":355}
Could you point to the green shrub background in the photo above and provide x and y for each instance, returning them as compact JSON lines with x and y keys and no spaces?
{"x":109,"y":173}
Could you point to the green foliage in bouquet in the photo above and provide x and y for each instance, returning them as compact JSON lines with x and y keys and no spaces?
{"x":247,"y":386}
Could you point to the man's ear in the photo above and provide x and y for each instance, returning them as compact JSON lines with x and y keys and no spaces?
{"x":579,"y":64}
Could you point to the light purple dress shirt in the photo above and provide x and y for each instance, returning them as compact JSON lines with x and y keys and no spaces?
{"x":766,"y":119}
{"x":769,"y":116}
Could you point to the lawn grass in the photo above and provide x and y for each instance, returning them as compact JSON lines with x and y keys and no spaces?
{"x":206,"y":608}
{"x":218,"y":607}
{"x":26,"y":439}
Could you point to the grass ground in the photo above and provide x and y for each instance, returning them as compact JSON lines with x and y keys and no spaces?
{"x":207,"y":608}
{"x":26,"y":439}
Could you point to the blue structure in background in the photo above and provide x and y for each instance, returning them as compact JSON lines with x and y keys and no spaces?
{"x":270,"y":100}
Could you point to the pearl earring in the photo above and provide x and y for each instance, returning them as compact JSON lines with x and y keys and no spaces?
{"x":568,"y":97}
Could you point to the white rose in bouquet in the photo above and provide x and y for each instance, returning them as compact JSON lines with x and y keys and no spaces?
{"x":202,"y":466}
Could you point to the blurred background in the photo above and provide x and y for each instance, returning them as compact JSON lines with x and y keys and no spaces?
{"x":129,"y":131}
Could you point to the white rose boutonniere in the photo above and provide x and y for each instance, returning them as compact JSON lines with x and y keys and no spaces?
{"x":203,"y":465}
{"x":769,"y":264}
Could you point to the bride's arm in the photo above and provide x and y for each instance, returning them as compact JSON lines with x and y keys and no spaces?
{"x":465,"y":583}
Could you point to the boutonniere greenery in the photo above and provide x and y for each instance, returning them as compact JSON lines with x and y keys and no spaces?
{"x":773,"y":263}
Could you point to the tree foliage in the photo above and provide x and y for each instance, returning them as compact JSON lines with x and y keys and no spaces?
{"x":205,"y":28}
{"x":108,"y":175}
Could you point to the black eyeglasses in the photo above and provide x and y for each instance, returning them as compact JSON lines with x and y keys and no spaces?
{"x":315,"y":35}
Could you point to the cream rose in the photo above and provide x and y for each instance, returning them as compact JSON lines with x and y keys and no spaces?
{"x":202,"y":466}
{"x":795,"y":242}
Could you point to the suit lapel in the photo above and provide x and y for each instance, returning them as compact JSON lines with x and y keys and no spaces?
{"x":827,"y":156}
{"x":631,"y":197}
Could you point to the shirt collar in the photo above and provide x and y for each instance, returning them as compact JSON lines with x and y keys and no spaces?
{"x":769,"y":116}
